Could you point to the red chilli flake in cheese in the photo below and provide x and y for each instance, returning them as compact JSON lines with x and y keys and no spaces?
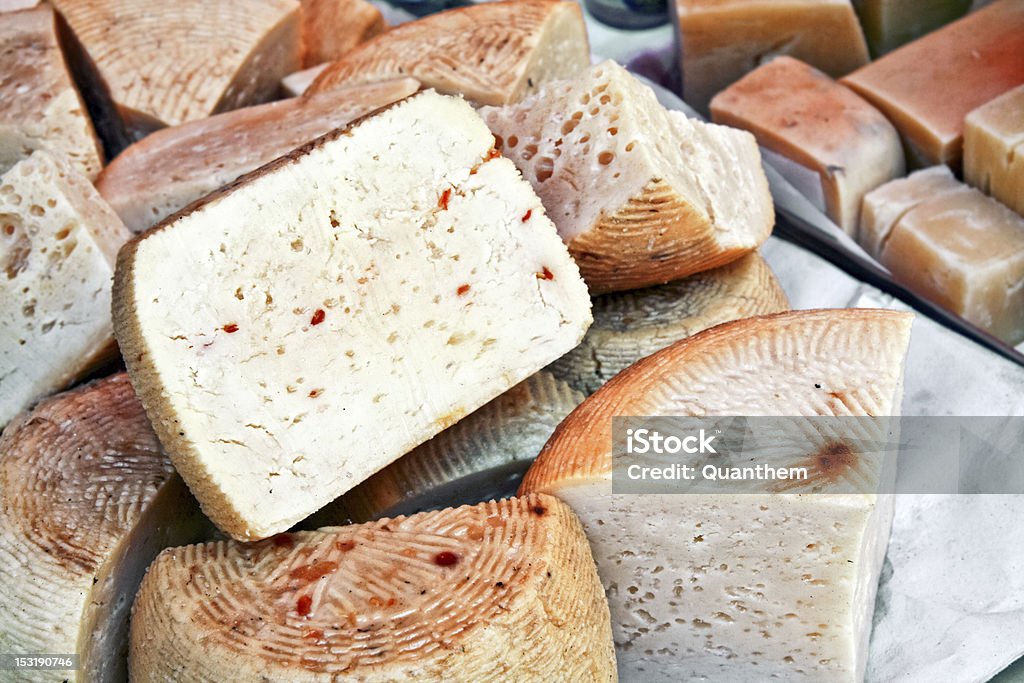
{"x":312,"y":572}
{"x":462,"y":290}
{"x":446,"y":559}
{"x":318,"y":317}
{"x":545,"y":274}
{"x":442,"y":201}
{"x":231,"y":328}
{"x":304,"y":606}
{"x":526,"y":216}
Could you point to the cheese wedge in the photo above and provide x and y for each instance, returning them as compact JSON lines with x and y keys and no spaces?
{"x":994,"y":148}
{"x":799,"y":112}
{"x":298,"y":83}
{"x":87,"y":500}
{"x":641,"y":195}
{"x":166,"y":171}
{"x":58,"y":244}
{"x":331,"y":28}
{"x":491,"y":53}
{"x":504,"y":590}
{"x":738,"y":587}
{"x":722,"y":40}
{"x":889,"y":24}
{"x":927,"y":87}
{"x":170,"y":62}
{"x":344,"y":304}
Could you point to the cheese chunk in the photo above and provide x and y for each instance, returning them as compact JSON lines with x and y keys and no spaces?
{"x":927,"y":87}
{"x":342,"y":305}
{"x":500,"y":591}
{"x":994,"y":148}
{"x":166,"y":171}
{"x":888,"y":24}
{"x":298,"y":83}
{"x":739,"y":587}
{"x":58,"y":243}
{"x":491,"y":53}
{"x":87,"y":500}
{"x":797,"y":111}
{"x":331,"y":28}
{"x":641,"y":195}
{"x":722,"y":40}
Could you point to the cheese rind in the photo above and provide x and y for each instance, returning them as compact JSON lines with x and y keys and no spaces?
{"x":994,"y":148}
{"x":331,"y":28}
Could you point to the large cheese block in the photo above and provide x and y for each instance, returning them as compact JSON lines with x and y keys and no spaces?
{"x":170,"y":62}
{"x":722,"y":40}
{"x":641,"y":195}
{"x":87,"y":500}
{"x":927,"y":87}
{"x":888,"y":24}
{"x":171,"y":168}
{"x":994,"y":148}
{"x":502,"y":591}
{"x":799,"y":112}
{"x":491,"y":53}
{"x":330,"y":28}
{"x":740,"y":586}
{"x":58,"y":243}
{"x":306,"y":326}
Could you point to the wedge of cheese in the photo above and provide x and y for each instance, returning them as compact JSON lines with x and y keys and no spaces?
{"x":491,"y":53}
{"x":889,"y":24}
{"x":298,"y":83}
{"x":166,"y":171}
{"x":87,"y":500}
{"x":994,"y":148}
{"x":927,"y":87}
{"x":722,"y":40}
{"x":734,"y":586}
{"x":640,"y":194}
{"x":504,"y":590}
{"x":344,"y":304}
{"x":331,"y":28}
{"x":799,"y":112}
{"x":58,"y":244}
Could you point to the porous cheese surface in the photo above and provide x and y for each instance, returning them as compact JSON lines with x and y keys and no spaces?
{"x":994,"y":148}
{"x":342,"y":305}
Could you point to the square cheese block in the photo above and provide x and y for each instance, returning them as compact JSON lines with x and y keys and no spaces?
{"x":171,"y":168}
{"x":330,"y":28}
{"x":58,"y":244}
{"x":799,"y":112}
{"x":342,"y":305}
{"x":722,"y":40}
{"x":889,"y":24}
{"x":994,"y":148}
{"x":927,"y":87}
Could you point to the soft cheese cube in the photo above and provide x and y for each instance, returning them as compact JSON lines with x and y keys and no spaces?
{"x":994,"y":148}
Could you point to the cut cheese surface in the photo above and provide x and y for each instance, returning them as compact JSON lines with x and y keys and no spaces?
{"x":799,"y":112}
{"x":503,"y":590}
{"x":994,"y":148}
{"x":491,"y":53}
{"x":297,"y":83}
{"x":889,"y":24}
{"x":331,"y":28}
{"x":87,"y":500}
{"x":171,"y":168}
{"x":58,"y":243}
{"x":738,"y":587}
{"x":344,"y":304}
{"x":640,"y":194}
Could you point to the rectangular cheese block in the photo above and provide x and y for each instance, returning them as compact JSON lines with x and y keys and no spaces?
{"x":724,"y":39}
{"x":890,"y":23}
{"x":994,"y":148}
{"x":796,"y":110}
{"x":927,"y":87}
{"x":330,"y":28}
{"x":296,"y":332}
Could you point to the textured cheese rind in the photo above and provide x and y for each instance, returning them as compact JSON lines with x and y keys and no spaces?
{"x":994,"y":148}
{"x":87,"y":500}
{"x":797,"y":111}
{"x":518,"y":599}
{"x":331,"y":28}
{"x":491,"y":53}
{"x":58,"y":244}
{"x":383,"y":226}
{"x":171,"y":168}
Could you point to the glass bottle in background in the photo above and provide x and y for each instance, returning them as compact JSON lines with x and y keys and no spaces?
{"x":629,"y":14}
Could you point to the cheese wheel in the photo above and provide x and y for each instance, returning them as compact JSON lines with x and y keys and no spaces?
{"x":994,"y":148}
{"x":503,"y":590}
{"x":331,"y":28}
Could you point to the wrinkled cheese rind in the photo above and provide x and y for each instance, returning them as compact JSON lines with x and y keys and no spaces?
{"x":994,"y":148}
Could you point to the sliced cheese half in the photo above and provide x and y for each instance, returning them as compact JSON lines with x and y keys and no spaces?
{"x":738,"y":587}
{"x":331,"y":28}
{"x":994,"y":148}
{"x":166,"y":171}
{"x":87,"y":500}
{"x":343,"y":304}
{"x":58,"y":244}
{"x":641,"y":195}
{"x":503,"y":590}
{"x":492,"y":53}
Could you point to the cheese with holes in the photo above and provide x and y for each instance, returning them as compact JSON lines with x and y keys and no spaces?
{"x":166,"y":171}
{"x":799,"y":112}
{"x":331,"y":28}
{"x":87,"y":500}
{"x":640,"y":194}
{"x":503,"y":590}
{"x":58,"y":243}
{"x":927,"y":87}
{"x":722,"y":40}
{"x":739,"y":586}
{"x":343,"y":305}
{"x":491,"y":53}
{"x":994,"y":148}
{"x":889,"y":24}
